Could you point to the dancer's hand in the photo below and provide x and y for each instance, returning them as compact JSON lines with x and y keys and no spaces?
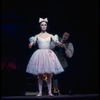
{"x":31,"y":44}
{"x":58,"y":43}
{"x":63,"y":45}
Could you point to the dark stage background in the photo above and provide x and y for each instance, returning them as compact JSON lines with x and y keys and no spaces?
{"x":19,"y":21}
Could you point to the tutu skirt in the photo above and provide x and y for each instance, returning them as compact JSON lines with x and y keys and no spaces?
{"x":44,"y":61}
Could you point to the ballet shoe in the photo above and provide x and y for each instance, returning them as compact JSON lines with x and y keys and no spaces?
{"x":40,"y":94}
{"x":51,"y":95}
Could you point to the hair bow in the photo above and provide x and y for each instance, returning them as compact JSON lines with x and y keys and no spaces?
{"x":41,"y":20}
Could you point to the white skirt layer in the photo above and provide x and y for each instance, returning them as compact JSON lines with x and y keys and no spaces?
{"x":44,"y":61}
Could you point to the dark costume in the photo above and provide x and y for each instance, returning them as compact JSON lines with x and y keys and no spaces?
{"x":63,"y":56}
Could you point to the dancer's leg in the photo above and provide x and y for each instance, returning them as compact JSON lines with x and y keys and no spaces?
{"x":49,"y":83}
{"x":40,"y":83}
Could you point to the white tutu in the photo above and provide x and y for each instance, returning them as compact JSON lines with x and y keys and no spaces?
{"x":44,"y":60}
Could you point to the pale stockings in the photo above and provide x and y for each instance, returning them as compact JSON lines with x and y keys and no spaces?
{"x":40,"y":83}
{"x":49,"y":84}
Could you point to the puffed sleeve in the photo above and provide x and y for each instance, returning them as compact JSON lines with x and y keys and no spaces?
{"x":70,"y":50}
{"x":32,"y":39}
{"x":55,"y":38}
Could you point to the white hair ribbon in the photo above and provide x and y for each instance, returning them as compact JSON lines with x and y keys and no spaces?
{"x":41,"y":19}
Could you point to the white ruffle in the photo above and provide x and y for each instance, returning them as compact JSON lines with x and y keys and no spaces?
{"x":55,"y":38}
{"x":32,"y":39}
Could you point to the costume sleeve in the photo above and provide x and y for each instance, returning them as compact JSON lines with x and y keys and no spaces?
{"x":70,"y":50}
{"x":55,"y":38}
{"x":32,"y":39}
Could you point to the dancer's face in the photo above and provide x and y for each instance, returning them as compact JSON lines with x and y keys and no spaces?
{"x":43,"y":26}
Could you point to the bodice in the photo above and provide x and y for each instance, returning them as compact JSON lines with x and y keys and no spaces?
{"x":44,"y":43}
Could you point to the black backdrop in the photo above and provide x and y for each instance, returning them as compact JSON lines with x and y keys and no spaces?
{"x":19,"y":21}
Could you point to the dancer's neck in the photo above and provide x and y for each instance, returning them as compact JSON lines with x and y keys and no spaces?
{"x":43,"y":32}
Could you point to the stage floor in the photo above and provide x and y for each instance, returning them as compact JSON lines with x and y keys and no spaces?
{"x":68,"y":97}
